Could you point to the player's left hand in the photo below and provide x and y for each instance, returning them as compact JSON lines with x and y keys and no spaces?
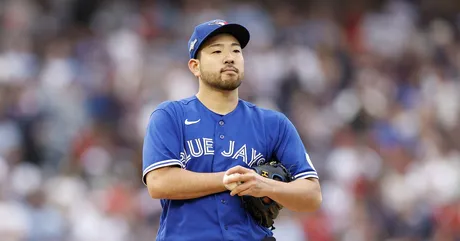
{"x":253,"y":184}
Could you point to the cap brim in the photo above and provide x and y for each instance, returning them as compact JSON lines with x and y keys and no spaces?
{"x":238,"y":31}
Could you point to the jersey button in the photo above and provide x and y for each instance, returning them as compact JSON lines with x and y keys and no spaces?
{"x":223,"y":201}
{"x":221,"y":123}
{"x":222,"y":137}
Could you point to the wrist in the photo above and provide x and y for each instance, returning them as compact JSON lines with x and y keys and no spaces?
{"x":272,"y":188}
{"x":220,"y":176}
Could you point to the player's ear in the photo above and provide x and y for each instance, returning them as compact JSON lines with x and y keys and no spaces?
{"x":194,"y":66}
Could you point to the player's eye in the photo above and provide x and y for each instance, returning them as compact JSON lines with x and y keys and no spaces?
{"x":236,"y":51}
{"x":217,"y":52}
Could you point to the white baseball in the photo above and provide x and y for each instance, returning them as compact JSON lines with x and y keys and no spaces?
{"x":232,"y":185}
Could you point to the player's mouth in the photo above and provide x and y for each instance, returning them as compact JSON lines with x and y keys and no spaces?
{"x":229,"y":69}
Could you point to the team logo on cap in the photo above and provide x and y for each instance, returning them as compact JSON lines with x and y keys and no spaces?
{"x":192,"y":45}
{"x":218,"y":22}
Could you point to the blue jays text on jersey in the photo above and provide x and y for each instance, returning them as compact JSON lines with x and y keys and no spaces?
{"x":185,"y":133}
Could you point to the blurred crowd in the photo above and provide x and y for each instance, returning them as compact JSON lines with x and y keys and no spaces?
{"x":372,"y":86}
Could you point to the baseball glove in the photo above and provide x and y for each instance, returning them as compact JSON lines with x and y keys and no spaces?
{"x":263,"y":209}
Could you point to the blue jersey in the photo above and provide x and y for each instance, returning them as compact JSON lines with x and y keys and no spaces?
{"x":185,"y":133}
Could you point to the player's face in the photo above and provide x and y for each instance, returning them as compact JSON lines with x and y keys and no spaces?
{"x":222,"y":63}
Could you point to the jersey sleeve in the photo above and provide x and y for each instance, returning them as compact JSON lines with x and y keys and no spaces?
{"x":290,"y":150}
{"x":161,"y":146}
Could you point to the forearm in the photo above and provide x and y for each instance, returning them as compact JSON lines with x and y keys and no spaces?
{"x":178,"y":183}
{"x":301,"y":195}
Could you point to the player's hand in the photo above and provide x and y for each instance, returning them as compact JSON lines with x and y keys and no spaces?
{"x":252,"y":183}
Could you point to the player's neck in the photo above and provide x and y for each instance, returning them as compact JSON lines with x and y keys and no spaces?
{"x":220,"y":102}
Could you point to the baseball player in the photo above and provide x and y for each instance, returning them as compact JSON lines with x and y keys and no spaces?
{"x":192,"y":144}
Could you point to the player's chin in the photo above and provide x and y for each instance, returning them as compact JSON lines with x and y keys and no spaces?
{"x":231,"y":78}
{"x":230,"y":85}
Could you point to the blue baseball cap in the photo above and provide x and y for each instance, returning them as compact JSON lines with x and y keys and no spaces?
{"x":211,"y":28}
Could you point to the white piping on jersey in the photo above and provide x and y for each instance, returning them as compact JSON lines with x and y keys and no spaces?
{"x":313,"y":173}
{"x":309,"y":161}
{"x":164,"y":163}
{"x":306,"y":175}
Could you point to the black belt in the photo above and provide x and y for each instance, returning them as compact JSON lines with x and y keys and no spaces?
{"x":269,"y":239}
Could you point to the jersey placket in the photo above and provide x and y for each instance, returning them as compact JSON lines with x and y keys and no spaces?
{"x":220,"y":140}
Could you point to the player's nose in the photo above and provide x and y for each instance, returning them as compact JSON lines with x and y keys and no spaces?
{"x":229,"y":59}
